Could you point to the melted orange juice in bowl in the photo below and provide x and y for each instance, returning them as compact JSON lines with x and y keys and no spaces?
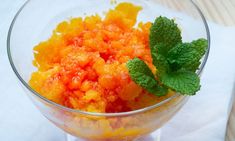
{"x":83,"y":66}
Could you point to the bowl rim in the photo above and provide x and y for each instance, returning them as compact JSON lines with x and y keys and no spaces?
{"x":25,"y":84}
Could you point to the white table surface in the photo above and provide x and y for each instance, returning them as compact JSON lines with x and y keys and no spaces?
{"x":203,"y":118}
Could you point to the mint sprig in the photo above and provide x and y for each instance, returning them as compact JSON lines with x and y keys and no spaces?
{"x":176,"y":62}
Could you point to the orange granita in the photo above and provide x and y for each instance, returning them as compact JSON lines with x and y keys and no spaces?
{"x":83,"y":64}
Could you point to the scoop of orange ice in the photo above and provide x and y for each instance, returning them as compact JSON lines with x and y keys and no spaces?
{"x":83,"y":64}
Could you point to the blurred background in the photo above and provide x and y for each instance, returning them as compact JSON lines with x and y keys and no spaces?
{"x":218,"y":11}
{"x":19,"y":120}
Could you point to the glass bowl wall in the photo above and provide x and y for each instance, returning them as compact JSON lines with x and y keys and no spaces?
{"x":35,"y":22}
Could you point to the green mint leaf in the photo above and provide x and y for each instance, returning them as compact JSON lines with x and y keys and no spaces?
{"x":200,"y":45}
{"x":184,"y":56}
{"x":159,"y":59}
{"x":184,"y":82}
{"x":165,"y":31}
{"x":187,"y":55}
{"x":142,"y":75}
{"x":161,"y":90}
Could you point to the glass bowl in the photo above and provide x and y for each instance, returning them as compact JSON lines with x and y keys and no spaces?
{"x":35,"y":22}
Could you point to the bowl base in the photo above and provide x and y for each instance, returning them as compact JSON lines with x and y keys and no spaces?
{"x":155,"y":136}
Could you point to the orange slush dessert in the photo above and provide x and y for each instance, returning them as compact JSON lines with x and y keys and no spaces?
{"x":83,"y":64}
